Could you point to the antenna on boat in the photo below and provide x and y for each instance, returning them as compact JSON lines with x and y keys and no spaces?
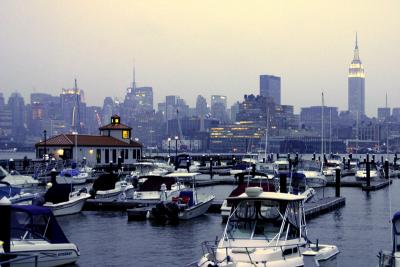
{"x":322,"y":132}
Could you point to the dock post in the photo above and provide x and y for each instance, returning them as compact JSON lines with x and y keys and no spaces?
{"x":395,"y":161}
{"x":382,"y":162}
{"x":218,"y":160}
{"x":337,"y":187}
{"x":344,"y":162}
{"x":5,"y":227}
{"x":350,"y":156}
{"x":277,"y":156}
{"x":348,"y":163}
{"x":313,"y":156}
{"x":373,"y":158}
{"x":386,"y":169}
{"x":233,"y":160}
{"x":253,"y":170}
{"x":368,"y":169}
{"x":211,"y":168}
{"x":288,"y":156}
{"x":282,"y":183}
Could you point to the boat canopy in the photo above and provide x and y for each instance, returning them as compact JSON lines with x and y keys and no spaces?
{"x":266,"y":196}
{"x":6,"y":190}
{"x":34,"y":222}
{"x":153,"y":183}
{"x":182,"y":174}
{"x":69,"y":172}
{"x":105,"y":181}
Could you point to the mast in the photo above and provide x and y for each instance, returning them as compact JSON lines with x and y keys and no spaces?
{"x":330,"y":130}
{"x":322,"y":132}
{"x":266,"y":136}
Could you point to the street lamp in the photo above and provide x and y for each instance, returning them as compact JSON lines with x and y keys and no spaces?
{"x":176,"y":146}
{"x":45,"y":143}
{"x":76,"y":147}
{"x":169,"y":146}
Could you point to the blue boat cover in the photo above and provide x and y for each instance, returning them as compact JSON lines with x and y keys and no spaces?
{"x":9,"y":191}
{"x":69,"y":172}
{"x":187,"y":194}
{"x":37,"y":221}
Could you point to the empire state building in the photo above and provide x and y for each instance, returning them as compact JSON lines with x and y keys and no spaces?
{"x":356,"y":85}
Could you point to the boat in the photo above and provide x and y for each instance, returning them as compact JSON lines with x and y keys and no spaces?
{"x":392,"y":258}
{"x":16,"y":195}
{"x":266,"y":229}
{"x":153,"y":189}
{"x":15,"y":179}
{"x":312,"y":172}
{"x":110,"y":187}
{"x":184,"y":204}
{"x":331,"y":164}
{"x":374,"y":173}
{"x":35,"y":231}
{"x":281,"y":165}
{"x":72,"y":176}
{"x":62,"y":199}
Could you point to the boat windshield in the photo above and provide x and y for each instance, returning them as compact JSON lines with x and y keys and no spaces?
{"x":308,"y":165}
{"x":255,"y":219}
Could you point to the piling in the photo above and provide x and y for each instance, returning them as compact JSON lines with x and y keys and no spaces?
{"x":386,"y":169}
{"x":337,"y":186}
{"x":344,"y":162}
{"x":350,"y":156}
{"x":313,"y":156}
{"x":277,"y":156}
{"x":282,"y":183}
{"x":373,"y":158}
{"x":382,"y":162}
{"x":5,"y":228}
{"x":233,"y":160}
{"x":11,"y":165}
{"x":253,"y":170}
{"x":395,"y":161}
{"x":368,"y":169}
{"x":348,"y":163}
{"x":211,"y":168}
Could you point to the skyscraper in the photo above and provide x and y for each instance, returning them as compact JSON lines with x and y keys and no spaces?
{"x":356,"y":85}
{"x":16,"y":105}
{"x":73,"y":107}
{"x":201,"y":106}
{"x":270,"y":86}
{"x":218,"y":107}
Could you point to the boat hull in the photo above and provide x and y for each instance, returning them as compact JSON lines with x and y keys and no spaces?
{"x":74,"y":205}
{"x":196,"y":210}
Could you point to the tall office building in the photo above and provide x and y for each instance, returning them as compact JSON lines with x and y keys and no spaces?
{"x":73,"y":107}
{"x":16,"y":105}
{"x":218,"y":108}
{"x":356,"y":85}
{"x":270,"y":86}
{"x":201,"y":106}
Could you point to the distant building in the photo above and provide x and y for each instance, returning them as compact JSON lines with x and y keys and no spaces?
{"x":107,"y":110}
{"x":311,"y":119}
{"x":144,"y":98}
{"x":383,"y":114}
{"x":234,"y":111}
{"x":201,"y":106}
{"x":218,"y":108}
{"x":73,"y":107}
{"x":396,"y":113}
{"x":270,"y":86}
{"x":356,"y":85}
{"x":16,"y":105}
{"x":112,"y":145}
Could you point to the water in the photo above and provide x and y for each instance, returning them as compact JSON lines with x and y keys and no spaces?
{"x":360,"y":230}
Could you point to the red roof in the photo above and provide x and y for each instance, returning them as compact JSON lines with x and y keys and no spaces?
{"x":87,"y":140}
{"x":111,"y":126}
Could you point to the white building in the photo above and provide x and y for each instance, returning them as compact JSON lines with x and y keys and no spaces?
{"x":356,"y":85}
{"x":113,"y":142}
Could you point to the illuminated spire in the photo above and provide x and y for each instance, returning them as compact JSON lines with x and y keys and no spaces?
{"x":356,"y":68}
{"x":356,"y":53}
{"x":356,"y":42}
{"x":133,"y":76}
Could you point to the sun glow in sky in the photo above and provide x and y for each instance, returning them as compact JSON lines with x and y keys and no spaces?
{"x":189,"y":47}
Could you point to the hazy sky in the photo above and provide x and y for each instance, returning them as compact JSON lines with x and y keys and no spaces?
{"x":200,"y":47}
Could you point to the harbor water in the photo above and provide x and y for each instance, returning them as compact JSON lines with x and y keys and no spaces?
{"x":360,"y":229}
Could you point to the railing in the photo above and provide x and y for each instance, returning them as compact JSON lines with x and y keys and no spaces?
{"x":210,"y":248}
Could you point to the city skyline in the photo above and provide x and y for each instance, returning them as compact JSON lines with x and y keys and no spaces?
{"x":212,"y":52}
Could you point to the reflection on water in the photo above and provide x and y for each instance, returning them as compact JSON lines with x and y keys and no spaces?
{"x":360,"y":230}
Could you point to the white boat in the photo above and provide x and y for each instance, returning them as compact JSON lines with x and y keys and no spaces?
{"x":16,"y":179}
{"x":312,"y":172}
{"x":34,"y":230}
{"x":361,"y":173}
{"x":392,"y":258}
{"x":281,"y":165}
{"x":110,"y":187}
{"x":72,"y":176}
{"x":266,"y":229}
{"x":154,"y":189}
{"x":73,"y":205}
{"x":16,"y":195}
{"x":187,"y":204}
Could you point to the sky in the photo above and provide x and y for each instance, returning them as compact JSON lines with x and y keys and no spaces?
{"x":203,"y":47}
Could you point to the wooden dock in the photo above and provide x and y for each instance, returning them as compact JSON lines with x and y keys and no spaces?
{"x":376,"y":185}
{"x":327,"y":204}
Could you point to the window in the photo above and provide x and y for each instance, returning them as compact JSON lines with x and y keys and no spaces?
{"x":126,"y":154}
{"x":134,"y":153}
{"x":107,"y":156}
{"x":125,"y":134}
{"x":98,"y":155}
{"x":114,"y":155}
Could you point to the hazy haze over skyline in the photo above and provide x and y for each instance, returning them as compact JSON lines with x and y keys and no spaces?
{"x":188,"y":48}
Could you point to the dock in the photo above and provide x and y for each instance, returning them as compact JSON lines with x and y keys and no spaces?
{"x":322,"y":206}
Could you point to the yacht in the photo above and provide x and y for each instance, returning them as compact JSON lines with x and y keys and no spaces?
{"x":392,"y":258}
{"x":14,"y":178}
{"x":374,"y":173}
{"x":331,"y":164}
{"x":16,"y":195}
{"x":281,"y":165}
{"x":312,"y":172}
{"x":266,"y":229}
{"x":72,"y":176}
{"x":34,"y":230}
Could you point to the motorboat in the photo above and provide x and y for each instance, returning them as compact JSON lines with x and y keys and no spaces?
{"x":266,"y":229}
{"x":374,"y":173}
{"x":153,"y":189}
{"x":281,"y":165}
{"x":110,"y":187}
{"x":62,"y":199}
{"x":312,"y":172}
{"x":331,"y":164}
{"x":35,"y":231}
{"x":392,"y":258}
{"x":16,"y":195}
{"x":184,"y":204}
{"x":14,"y":178}
{"x":72,"y":176}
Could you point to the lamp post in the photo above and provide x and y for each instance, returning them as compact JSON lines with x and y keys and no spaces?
{"x":176,"y":146}
{"x":45,"y":143}
{"x":76,"y":147}
{"x":169,"y":147}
